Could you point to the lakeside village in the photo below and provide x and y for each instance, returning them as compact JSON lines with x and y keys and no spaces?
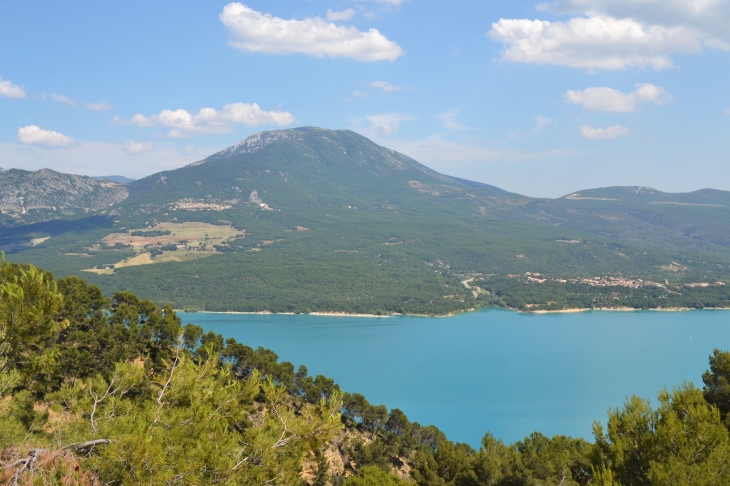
{"x":610,"y":281}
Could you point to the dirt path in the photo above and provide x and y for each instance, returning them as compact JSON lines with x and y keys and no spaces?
{"x":466,"y":283}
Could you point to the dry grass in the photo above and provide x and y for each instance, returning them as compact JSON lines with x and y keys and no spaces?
{"x":39,"y":466}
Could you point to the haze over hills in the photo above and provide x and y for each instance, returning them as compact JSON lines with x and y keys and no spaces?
{"x":114,"y":178}
{"x":326,"y":220}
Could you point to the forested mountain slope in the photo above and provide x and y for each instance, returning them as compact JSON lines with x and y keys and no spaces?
{"x":312,"y":168}
{"x":316,"y":168}
{"x":309,"y":219}
{"x":699,"y":219}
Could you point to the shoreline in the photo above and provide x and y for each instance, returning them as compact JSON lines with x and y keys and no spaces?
{"x":453,"y":314}
{"x":624,"y":309}
{"x":334,"y":314}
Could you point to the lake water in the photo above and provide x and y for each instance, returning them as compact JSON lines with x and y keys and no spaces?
{"x":495,"y":370}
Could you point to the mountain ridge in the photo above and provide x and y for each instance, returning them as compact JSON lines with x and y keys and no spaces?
{"x":318,"y":220}
{"x":31,"y":196}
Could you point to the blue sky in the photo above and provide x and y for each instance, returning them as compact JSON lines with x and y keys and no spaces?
{"x":538,"y":98}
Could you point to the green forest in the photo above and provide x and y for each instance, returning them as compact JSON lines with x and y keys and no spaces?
{"x":353,"y":227}
{"x":115,"y":390}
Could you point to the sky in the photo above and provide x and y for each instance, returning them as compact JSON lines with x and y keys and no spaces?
{"x":543,"y":98}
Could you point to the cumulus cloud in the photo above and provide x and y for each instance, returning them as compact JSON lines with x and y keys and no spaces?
{"x":598,"y":42}
{"x":98,"y":106}
{"x":63,"y":99}
{"x":209,"y":120}
{"x":36,"y":136}
{"x":603,"y":133}
{"x":133,"y":147}
{"x":334,"y":16}
{"x":710,"y":19}
{"x":257,"y":32}
{"x":10,"y":90}
{"x":608,"y":99}
{"x":386,"y":124}
{"x":385,"y":86}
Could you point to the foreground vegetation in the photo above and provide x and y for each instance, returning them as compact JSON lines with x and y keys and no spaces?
{"x":97,"y":390}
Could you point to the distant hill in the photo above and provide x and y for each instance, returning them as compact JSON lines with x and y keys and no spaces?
{"x":699,"y":219}
{"x":28,"y":197}
{"x":327,"y":220}
{"x":114,"y":178}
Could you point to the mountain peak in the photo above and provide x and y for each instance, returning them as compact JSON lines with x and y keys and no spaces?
{"x":259,"y":140}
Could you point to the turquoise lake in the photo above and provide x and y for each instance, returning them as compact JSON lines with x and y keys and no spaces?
{"x":493,"y":370}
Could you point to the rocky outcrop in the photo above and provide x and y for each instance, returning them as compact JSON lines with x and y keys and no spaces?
{"x":44,"y":190}
{"x":251,"y":144}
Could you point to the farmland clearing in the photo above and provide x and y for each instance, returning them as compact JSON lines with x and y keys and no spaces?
{"x":166,"y":242}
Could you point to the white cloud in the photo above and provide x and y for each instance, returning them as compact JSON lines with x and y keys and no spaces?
{"x":10,"y":90}
{"x":616,"y":34}
{"x":133,"y":147}
{"x":392,"y":3}
{"x":257,"y":32}
{"x":34,"y":135}
{"x":385,"y":86}
{"x":63,"y":99}
{"x":603,"y":133}
{"x":334,"y":16}
{"x":359,"y":94}
{"x":710,"y":19}
{"x":386,"y":124}
{"x":208,"y":120}
{"x":608,"y":99}
{"x":597,"y":42}
{"x":449,"y":120}
{"x":99,"y":159}
{"x":727,"y":112}
{"x":540,"y":123}
{"x":99,"y":106}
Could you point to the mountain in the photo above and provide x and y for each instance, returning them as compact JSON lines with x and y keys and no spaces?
{"x":27,"y":197}
{"x":309,"y":219}
{"x":114,"y":178}
{"x":313,"y":167}
{"x":310,"y":168}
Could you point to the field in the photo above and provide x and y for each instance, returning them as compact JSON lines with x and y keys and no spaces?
{"x":195,"y":234}
{"x":192,"y":241}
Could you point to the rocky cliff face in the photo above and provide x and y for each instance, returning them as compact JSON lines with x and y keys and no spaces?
{"x":46,"y":191}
